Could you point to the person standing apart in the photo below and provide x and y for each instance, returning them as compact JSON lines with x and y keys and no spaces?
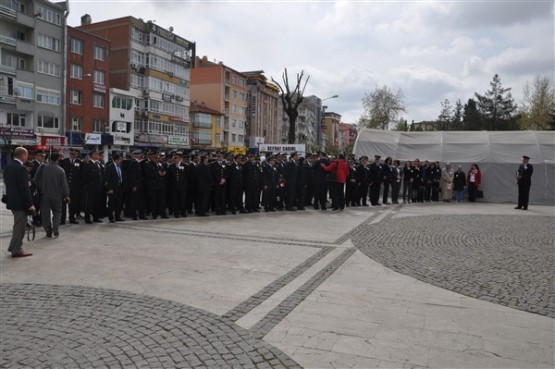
{"x":524,"y":181}
{"x":473,"y":179}
{"x":447,"y":176}
{"x":54,"y":190}
{"x":459,"y":182}
{"x":18,"y":199}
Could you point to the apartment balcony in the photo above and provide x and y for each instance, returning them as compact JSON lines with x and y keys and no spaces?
{"x":7,"y":11}
{"x":7,"y":99}
{"x":25,"y":20}
{"x":4,"y":69}
{"x":25,"y":48}
{"x":7,"y":40}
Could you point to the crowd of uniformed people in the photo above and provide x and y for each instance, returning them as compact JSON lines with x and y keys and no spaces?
{"x":156,"y":185}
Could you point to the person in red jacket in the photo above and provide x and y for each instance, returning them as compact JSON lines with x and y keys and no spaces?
{"x":341,"y":170}
{"x":473,"y":180}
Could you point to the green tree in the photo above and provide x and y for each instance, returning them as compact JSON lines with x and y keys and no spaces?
{"x":457,"y":116}
{"x":401,"y":126}
{"x":445,"y":116}
{"x":497,"y":106}
{"x":382,"y":107}
{"x":291,"y":99}
{"x":471,"y":118}
{"x":538,"y":107}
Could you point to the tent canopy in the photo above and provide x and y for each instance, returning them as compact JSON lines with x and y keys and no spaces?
{"x":497,"y":153}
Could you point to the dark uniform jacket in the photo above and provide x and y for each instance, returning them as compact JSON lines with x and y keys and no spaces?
{"x":18,"y":192}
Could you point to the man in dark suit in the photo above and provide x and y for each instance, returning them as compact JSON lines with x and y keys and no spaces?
{"x":524,"y":181}
{"x":37,"y":162}
{"x":376,"y":178}
{"x":320,"y":187}
{"x":270,"y":185}
{"x":235,"y":185}
{"x":72,"y":167}
{"x":192,"y":197}
{"x":251,"y":183}
{"x":19,"y":200}
{"x":114,"y":188}
{"x":155,"y":177}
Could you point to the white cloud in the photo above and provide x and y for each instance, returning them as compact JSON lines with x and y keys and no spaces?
{"x":431,"y":50}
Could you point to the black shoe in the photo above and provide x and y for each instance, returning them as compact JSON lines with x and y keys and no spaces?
{"x":56,"y":233}
{"x":88,"y":221}
{"x":49,"y":234}
{"x":135,"y":218}
{"x":97,"y":220}
{"x":73,"y":221}
{"x":62,"y":222}
{"x":142,"y":217}
{"x":518,"y":207}
{"x":165,"y":217}
{"x":524,"y":208}
{"x":112,"y":220}
{"x":120,"y":220}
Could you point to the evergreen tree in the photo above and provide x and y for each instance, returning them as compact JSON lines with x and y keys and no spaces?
{"x":472,"y":119}
{"x":497,"y":107}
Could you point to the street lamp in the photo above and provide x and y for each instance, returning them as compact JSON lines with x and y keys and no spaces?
{"x":322,"y":111}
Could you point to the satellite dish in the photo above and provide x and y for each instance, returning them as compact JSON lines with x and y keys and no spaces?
{"x":171,"y":29}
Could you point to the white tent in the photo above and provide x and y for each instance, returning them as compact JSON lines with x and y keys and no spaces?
{"x":497,"y":153}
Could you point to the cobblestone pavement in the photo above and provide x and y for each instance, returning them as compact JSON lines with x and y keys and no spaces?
{"x":492,"y":262}
{"x":77,"y":327}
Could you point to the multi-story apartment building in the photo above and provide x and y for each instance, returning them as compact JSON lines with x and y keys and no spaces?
{"x":154,"y":64}
{"x":32,"y":49}
{"x":263,"y":103}
{"x":87,"y":92}
{"x":223,"y":89}
{"x":330,"y":133}
{"x":308,"y":126}
{"x":206,"y":127}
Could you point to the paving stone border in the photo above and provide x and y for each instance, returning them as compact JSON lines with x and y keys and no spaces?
{"x":253,"y":301}
{"x":276,"y":315}
{"x":49,"y":326}
{"x":505,"y":259}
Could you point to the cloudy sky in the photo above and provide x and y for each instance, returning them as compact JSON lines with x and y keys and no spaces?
{"x":432,"y":50}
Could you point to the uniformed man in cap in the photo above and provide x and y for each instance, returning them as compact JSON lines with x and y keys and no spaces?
{"x":134,"y":186}
{"x":155,"y":176}
{"x":72,"y":167}
{"x":251,"y":182}
{"x":220,"y":174}
{"x":204,"y":182}
{"x":94,"y":185}
{"x":376,"y":178}
{"x":270,"y":180}
{"x":291,"y":175}
{"x":524,"y":181}
{"x":192,"y":197}
{"x":178,"y":178}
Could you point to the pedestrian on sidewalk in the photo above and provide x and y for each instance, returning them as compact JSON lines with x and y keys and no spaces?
{"x":18,"y":199}
{"x":52,"y":183}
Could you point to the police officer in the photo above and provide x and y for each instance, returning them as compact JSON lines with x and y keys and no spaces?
{"x":134,"y":186}
{"x":524,"y":181}
{"x":178,"y":178}
{"x":219,"y":191}
{"x":73,"y":166}
{"x":95,"y":194}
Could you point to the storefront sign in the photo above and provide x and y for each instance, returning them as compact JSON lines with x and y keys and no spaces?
{"x":52,"y":141}
{"x":181,"y":141}
{"x":150,"y":139}
{"x":300,"y":149}
{"x":125,"y":139}
{"x":93,"y":138}
{"x":17,"y":133}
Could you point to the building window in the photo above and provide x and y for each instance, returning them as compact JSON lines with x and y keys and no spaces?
{"x":98,"y":125}
{"x":49,"y":16}
{"x":48,"y":121}
{"x":98,"y":101}
{"x":76,"y":97}
{"x":99,"y":77}
{"x":99,"y":53}
{"x":241,"y":139}
{"x":202,"y":137}
{"x":234,"y":123}
{"x":76,"y":124}
{"x":122,"y":103}
{"x":76,"y":46}
{"x":218,"y":138}
{"x":76,"y":71}
{"x":233,"y":138}
{"x":16,"y":119}
{"x":51,"y":97}
{"x":24,"y":90}
{"x":49,"y":42}
{"x":51,"y":69}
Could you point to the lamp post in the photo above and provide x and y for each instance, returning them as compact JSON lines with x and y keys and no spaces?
{"x":322,"y":111}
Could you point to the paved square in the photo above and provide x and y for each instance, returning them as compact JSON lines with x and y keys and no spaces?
{"x":422,"y":285}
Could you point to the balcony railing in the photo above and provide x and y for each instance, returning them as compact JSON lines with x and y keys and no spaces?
{"x":7,"y":40}
{"x":7,"y":11}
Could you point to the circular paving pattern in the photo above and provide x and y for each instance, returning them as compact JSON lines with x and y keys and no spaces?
{"x":45,"y":326}
{"x":502,"y":259}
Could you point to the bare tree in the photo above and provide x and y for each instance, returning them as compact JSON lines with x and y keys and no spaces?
{"x":382,"y":106}
{"x":538,"y":107}
{"x":291,"y":99}
{"x":446,"y":115}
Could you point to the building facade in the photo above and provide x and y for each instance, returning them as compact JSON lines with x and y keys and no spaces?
{"x":222,"y":89}
{"x":87,"y":93}
{"x":331,"y":131}
{"x":207,"y":128}
{"x":154,"y":64}
{"x":263,"y":103}
{"x":32,"y":60}
{"x":122,"y":118}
